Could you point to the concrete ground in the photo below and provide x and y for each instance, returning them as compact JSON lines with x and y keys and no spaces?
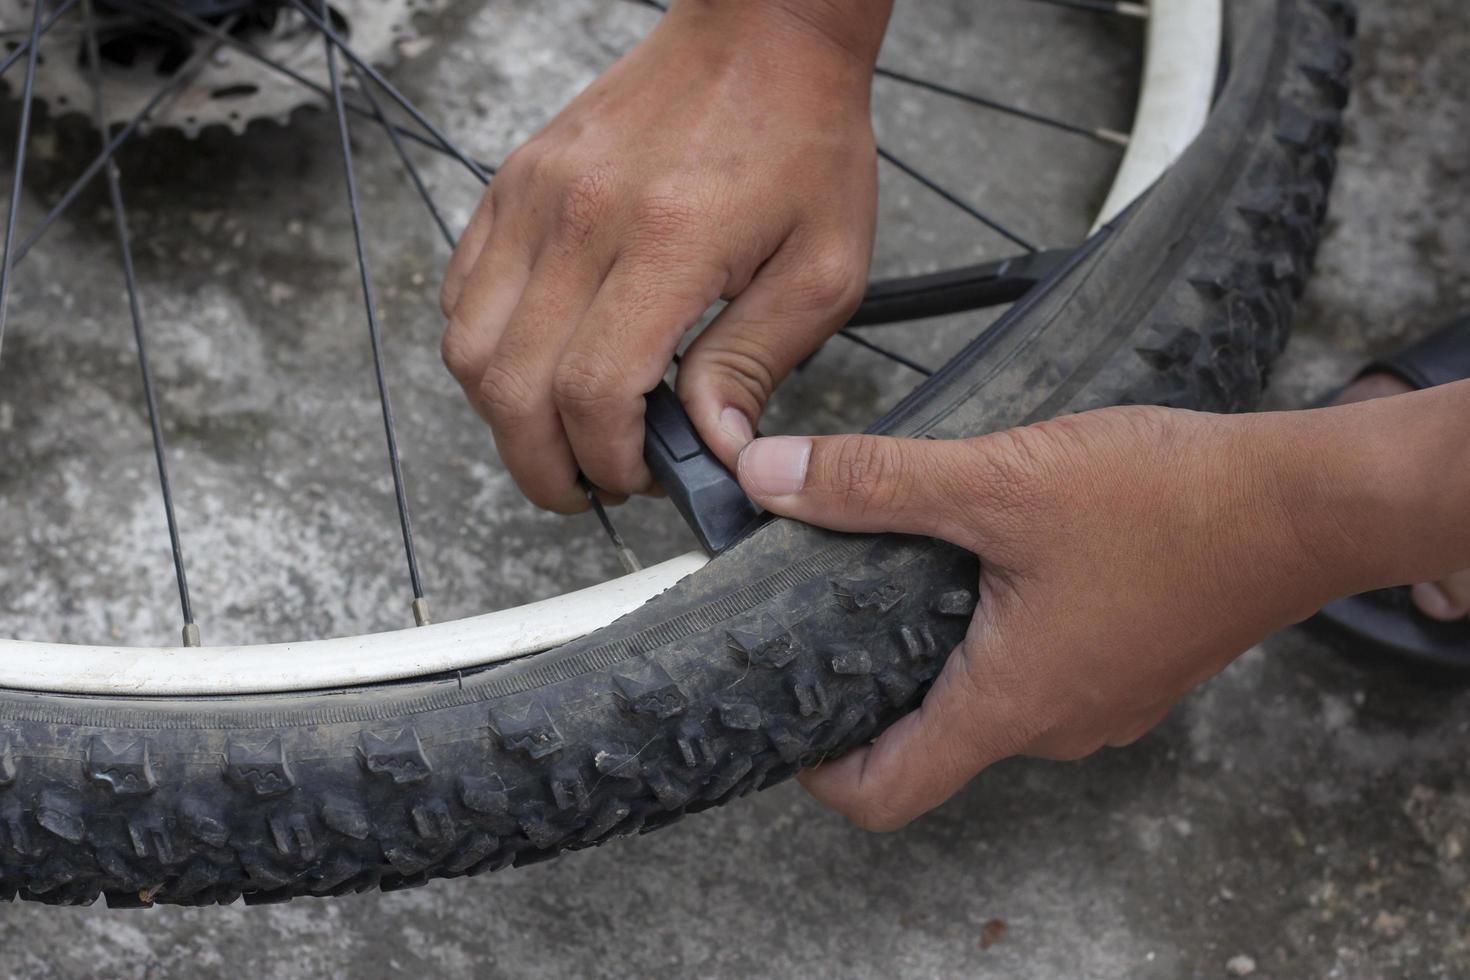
{"x":1307,"y":814}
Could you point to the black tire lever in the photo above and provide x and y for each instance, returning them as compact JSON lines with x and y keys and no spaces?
{"x":707,"y":495}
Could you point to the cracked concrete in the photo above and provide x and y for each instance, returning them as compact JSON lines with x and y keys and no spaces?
{"x":1305,"y":814}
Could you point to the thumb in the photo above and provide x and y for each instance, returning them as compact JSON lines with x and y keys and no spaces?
{"x":870,"y":484}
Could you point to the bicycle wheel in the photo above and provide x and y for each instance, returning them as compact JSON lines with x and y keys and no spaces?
{"x":201,"y":774}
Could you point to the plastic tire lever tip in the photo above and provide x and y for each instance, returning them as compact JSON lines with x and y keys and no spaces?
{"x":707,"y":494}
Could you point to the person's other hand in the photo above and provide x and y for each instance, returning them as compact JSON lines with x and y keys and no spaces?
{"x":1127,"y":555}
{"x":730,"y":155}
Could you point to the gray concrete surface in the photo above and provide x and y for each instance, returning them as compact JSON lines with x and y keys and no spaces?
{"x":1308,"y":810}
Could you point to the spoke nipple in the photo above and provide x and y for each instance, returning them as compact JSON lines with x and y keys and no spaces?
{"x":421,"y":612}
{"x":629,"y":560}
{"x":626,"y":558}
{"x":191,"y":635}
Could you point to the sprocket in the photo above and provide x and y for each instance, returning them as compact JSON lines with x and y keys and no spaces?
{"x":228,"y":88}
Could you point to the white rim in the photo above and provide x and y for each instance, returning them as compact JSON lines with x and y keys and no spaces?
{"x":341,"y":662}
{"x":1181,"y":59}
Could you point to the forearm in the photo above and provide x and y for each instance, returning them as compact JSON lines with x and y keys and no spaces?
{"x":855,"y":26}
{"x":1381,"y":488}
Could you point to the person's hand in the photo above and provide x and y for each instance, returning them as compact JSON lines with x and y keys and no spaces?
{"x":1127,"y":555}
{"x":730,"y":155}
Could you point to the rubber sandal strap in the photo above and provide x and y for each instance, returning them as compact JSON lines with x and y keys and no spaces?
{"x":1388,"y":620}
{"x":1439,"y":359}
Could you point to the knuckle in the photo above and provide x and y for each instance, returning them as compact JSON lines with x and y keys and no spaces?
{"x":522,"y":163}
{"x":459,"y":356}
{"x":521,"y":175}
{"x":504,"y":395}
{"x":583,"y":384}
{"x":585,"y":196}
{"x":558,"y":500}
{"x":619,"y":474}
{"x":866,"y":472}
{"x":835,"y":280}
{"x":662,"y":211}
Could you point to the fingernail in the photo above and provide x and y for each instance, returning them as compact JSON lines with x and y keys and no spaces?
{"x":736,"y":425}
{"x":1435,"y":603}
{"x":776,"y":465}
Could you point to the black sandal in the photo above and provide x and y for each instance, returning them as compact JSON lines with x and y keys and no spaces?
{"x":1388,"y":618}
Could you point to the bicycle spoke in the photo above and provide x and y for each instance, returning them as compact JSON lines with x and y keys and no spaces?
{"x":250,"y":51}
{"x":894,"y":356}
{"x":400,"y":496}
{"x":181,"y":77}
{"x":335,"y":42}
{"x":1099,"y":133}
{"x":958,"y":202}
{"x":408,"y":164}
{"x":25,"y":48}
{"x":17,"y":179}
{"x":1123,"y":8}
{"x":120,"y":220}
{"x":625,"y":554}
{"x":629,"y":560}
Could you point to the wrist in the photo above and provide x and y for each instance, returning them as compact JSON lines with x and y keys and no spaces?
{"x":1314,"y":503}
{"x":1376,"y":490}
{"x":853,"y":29}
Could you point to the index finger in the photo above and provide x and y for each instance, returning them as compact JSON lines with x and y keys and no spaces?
{"x":467,"y":253}
{"x":620,"y":351}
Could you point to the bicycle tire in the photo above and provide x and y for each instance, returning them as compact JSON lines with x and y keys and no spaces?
{"x":794,"y":646}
